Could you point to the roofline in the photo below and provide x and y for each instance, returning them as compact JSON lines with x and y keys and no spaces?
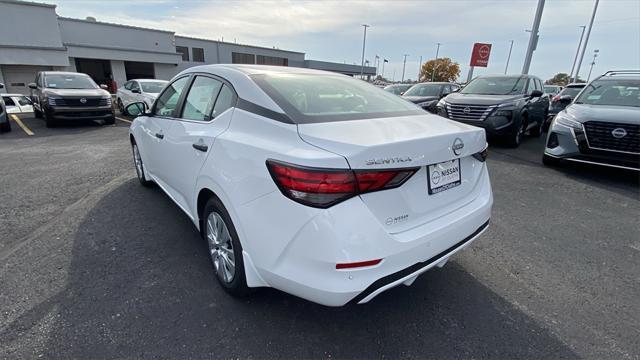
{"x":29,"y":3}
{"x":115,"y":25}
{"x":237,"y":44}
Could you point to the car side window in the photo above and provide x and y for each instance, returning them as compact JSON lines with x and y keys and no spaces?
{"x":531,"y":86}
{"x":135,"y":86}
{"x":540,"y":85}
{"x":8,"y":101}
{"x":168,"y":101}
{"x":127,"y":85}
{"x":226,"y":99}
{"x":201,"y":98}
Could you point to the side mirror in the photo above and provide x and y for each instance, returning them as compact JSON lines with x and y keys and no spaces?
{"x":33,"y":86}
{"x":135,"y":109}
{"x":135,"y":91}
{"x":104,"y":87}
{"x":536,"y":93}
{"x":565,"y":99}
{"x":1,"y":86}
{"x":401,"y":93}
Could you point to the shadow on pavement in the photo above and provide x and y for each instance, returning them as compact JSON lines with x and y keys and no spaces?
{"x":140,"y":285}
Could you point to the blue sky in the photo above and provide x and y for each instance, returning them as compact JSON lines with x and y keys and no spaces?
{"x":332,"y":31}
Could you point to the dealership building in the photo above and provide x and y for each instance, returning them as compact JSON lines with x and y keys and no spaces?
{"x":34,"y":38}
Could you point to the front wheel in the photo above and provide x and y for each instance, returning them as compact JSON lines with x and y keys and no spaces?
{"x":225,"y":251}
{"x":539,"y":129}
{"x":550,"y":160}
{"x":515,"y":138}
{"x":137,"y":161}
{"x":5,"y":126}
{"x":49,"y":120}
{"x":110,"y":121}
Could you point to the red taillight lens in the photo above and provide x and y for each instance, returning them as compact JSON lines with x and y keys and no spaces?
{"x":482,"y":155}
{"x":556,"y":98}
{"x":318,"y":187}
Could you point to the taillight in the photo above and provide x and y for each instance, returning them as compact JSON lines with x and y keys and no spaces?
{"x":322,"y":188}
{"x":556,"y":98}
{"x":482,"y":155}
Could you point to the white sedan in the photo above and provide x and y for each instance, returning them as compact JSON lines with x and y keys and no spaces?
{"x":17,"y":103}
{"x":139,"y":90}
{"x":311,"y":182}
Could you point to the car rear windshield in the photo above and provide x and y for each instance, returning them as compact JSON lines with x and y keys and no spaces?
{"x":153,"y":87}
{"x":571,"y":91}
{"x":611,"y":92}
{"x":423,"y":90}
{"x":310,"y":98}
{"x":69,"y":81}
{"x":499,"y":85}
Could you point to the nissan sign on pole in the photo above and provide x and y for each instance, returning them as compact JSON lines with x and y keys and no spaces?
{"x":480,"y":54}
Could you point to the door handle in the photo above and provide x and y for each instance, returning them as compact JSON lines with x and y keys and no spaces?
{"x":160,"y":136}
{"x":200,"y":147}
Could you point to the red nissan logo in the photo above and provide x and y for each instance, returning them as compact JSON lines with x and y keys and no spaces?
{"x":483,"y":51}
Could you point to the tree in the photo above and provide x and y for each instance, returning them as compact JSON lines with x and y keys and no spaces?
{"x":561,"y":79}
{"x":444,"y":69}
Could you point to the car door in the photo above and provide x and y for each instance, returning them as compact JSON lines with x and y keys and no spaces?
{"x":206,"y":113}
{"x":155,"y":127}
{"x":134,"y":92}
{"x":532,"y":102}
{"x":123,"y":93}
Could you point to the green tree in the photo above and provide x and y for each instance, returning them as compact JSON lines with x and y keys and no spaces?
{"x":443,"y":69}
{"x":561,"y":79}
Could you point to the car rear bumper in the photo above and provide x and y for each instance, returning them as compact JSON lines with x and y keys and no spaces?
{"x":301,"y":257}
{"x":571,"y":144}
{"x":80,"y":113}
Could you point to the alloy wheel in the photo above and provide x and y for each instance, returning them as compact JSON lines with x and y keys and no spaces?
{"x":220,"y":247}
{"x":137,"y":160}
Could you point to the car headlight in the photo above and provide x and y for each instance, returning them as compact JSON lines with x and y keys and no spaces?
{"x":107,"y":100}
{"x":441,"y":103}
{"x":566,"y":121}
{"x":426,"y":103}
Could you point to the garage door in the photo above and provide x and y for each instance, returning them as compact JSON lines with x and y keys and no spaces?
{"x":17,"y":78}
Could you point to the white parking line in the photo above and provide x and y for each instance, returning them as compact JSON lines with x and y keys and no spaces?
{"x":125,"y":120}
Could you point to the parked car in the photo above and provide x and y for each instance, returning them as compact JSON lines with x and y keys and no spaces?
{"x":5,"y":125}
{"x":560,"y":101}
{"x":601,"y":126}
{"x":58,"y":95}
{"x":139,"y":90}
{"x":552,"y":89}
{"x":506,"y":106}
{"x":291,"y":193}
{"x":397,"y":89}
{"x":427,"y":95}
{"x":17,"y":103}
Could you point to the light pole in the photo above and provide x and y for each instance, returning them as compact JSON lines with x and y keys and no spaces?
{"x":364,"y":42}
{"x":377,"y":64}
{"x":404,"y":64}
{"x":573,"y":67}
{"x":383,"y":62}
{"x":433,"y":71}
{"x":586,"y":40}
{"x":533,"y":39}
{"x":593,"y":62}
{"x":419,"y":67}
{"x":508,"y":58}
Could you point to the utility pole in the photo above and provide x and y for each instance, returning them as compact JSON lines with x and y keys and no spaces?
{"x":404,"y":64}
{"x":364,"y":42}
{"x":593,"y":62}
{"x":377,"y":64}
{"x":435,"y":64}
{"x":573,"y":67}
{"x":419,"y":67}
{"x":508,"y":58}
{"x":383,"y":61}
{"x":586,"y":40}
{"x":533,"y":39}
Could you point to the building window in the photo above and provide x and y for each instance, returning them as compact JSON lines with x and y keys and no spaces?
{"x":198,"y":54}
{"x":184,"y":51}
{"x":241,"y":58}
{"x":272,"y":60}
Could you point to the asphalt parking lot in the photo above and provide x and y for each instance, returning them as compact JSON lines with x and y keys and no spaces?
{"x":95,"y":266}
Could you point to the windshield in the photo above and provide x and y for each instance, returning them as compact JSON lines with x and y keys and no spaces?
{"x":153,"y":87}
{"x":495,"y":86}
{"x":551,"y":89}
{"x":423,"y":90}
{"x":571,"y":91}
{"x":310,"y":98}
{"x":611,"y":92}
{"x":69,"y":81}
{"x":397,"y":89}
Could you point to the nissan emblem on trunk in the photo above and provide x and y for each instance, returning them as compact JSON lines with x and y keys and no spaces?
{"x":619,"y":133}
{"x":457,"y":146}
{"x":83,"y":100}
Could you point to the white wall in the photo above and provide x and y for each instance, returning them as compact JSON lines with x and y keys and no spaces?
{"x":118,"y":72}
{"x":29,"y":25}
{"x":2,"y":81}
{"x":165,"y":71}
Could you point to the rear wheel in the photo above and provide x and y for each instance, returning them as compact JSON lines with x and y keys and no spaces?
{"x":120,"y":106}
{"x":515,"y":138}
{"x":225,"y":251}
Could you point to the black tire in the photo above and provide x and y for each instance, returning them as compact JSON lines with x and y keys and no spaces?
{"x":538,"y":130}
{"x":37,"y":113}
{"x":550,"y":160}
{"x":515,"y":137}
{"x":120,"y":106}
{"x":49,"y":121}
{"x":139,"y":169}
{"x":110,"y":121}
{"x":5,"y":126}
{"x":237,"y":286}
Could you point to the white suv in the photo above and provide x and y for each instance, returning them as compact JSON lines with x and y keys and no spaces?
{"x":311,"y":182}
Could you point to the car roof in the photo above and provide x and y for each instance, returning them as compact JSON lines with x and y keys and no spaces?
{"x":391,"y":85}
{"x":434,"y":83}
{"x":617,"y":77}
{"x":259,"y":69}
{"x":508,"y":76}
{"x":576,"y":85}
{"x":10,"y":95}
{"x":147,"y":80}
{"x":63,"y":73}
